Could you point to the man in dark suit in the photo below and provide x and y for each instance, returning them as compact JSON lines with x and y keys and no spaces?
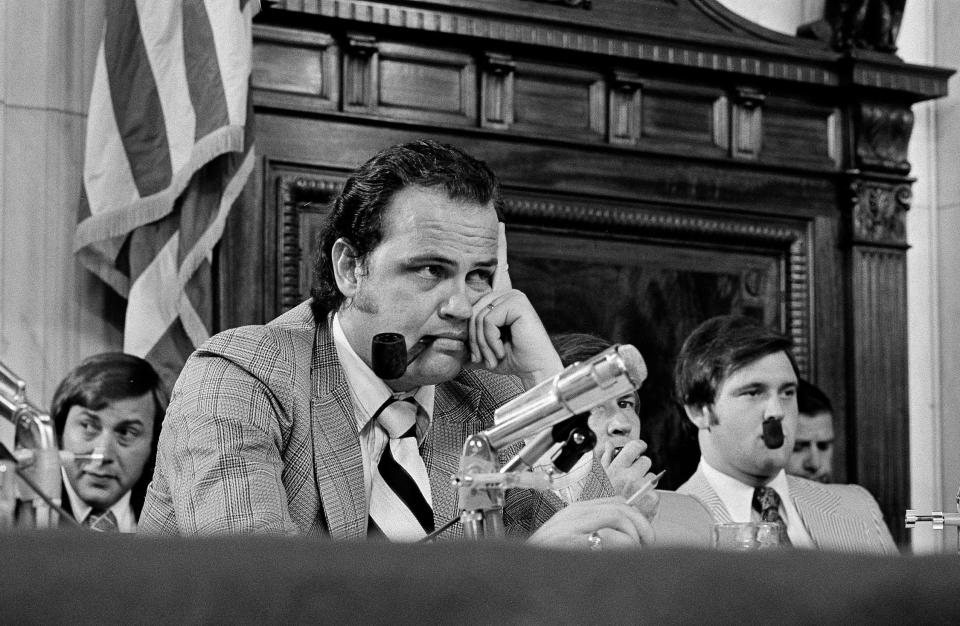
{"x":285,"y":428}
{"x":737,"y":379}
{"x":111,"y":404}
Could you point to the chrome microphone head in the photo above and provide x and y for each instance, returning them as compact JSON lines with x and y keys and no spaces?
{"x":633,"y":364}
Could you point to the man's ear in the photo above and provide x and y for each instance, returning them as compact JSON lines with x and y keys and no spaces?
{"x":701,"y":415}
{"x":346,"y":266}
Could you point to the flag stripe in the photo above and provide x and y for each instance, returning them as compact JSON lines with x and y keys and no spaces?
{"x":196,"y":214}
{"x":169,"y":150}
{"x":170,"y":352}
{"x":146,"y":243}
{"x":161,"y":25}
{"x":203,"y":71}
{"x":136,"y":100}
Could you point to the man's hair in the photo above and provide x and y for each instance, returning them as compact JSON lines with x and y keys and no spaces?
{"x":104,"y":378}
{"x":357,"y":214}
{"x":811,"y":400}
{"x":716,"y":349}
{"x":574,"y":347}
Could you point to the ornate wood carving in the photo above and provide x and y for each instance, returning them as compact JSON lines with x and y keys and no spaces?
{"x":865,"y":24}
{"x":883,"y":133}
{"x":878,"y":211}
{"x":298,"y":198}
{"x":570,"y":39}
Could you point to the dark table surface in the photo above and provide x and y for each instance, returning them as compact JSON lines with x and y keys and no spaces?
{"x":62,"y":577}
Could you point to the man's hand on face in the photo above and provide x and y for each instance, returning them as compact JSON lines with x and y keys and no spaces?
{"x":617,"y":524}
{"x":506,"y":334}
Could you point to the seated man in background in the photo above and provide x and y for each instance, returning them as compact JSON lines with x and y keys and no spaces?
{"x":677,"y":519}
{"x":286,"y":428}
{"x":732,"y":375}
{"x":112,"y":404}
{"x":813,"y":448}
{"x":616,"y":423}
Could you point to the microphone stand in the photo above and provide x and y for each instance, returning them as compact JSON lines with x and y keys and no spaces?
{"x":936,"y":519}
{"x":481,"y":485}
{"x":33,"y":429}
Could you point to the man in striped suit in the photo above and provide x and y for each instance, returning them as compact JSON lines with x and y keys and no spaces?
{"x":285,"y":428}
{"x":737,"y":381}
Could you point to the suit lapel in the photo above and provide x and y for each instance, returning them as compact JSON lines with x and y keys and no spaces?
{"x":698,"y":487}
{"x":823,"y":515}
{"x":336,"y":444}
{"x":455,"y":407}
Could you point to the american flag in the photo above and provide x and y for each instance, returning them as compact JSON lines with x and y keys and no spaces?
{"x":168,"y":151}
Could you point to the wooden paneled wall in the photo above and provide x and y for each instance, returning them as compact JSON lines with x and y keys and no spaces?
{"x":743,"y":169}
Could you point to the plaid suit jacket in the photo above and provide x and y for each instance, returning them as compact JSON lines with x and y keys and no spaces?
{"x":844,"y":518}
{"x":260,"y":437}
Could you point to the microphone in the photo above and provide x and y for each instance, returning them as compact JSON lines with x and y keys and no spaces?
{"x":579,"y":388}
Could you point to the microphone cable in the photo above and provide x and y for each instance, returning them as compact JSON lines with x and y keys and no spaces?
{"x":435,"y":533}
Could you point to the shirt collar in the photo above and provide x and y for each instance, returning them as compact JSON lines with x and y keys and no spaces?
{"x":368,"y":390}
{"x":738,"y":497}
{"x":126,"y":521}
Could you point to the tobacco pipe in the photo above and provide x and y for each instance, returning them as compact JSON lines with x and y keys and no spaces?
{"x":390,"y":356}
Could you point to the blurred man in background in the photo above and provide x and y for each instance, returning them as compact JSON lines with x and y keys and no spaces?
{"x":813,"y":448}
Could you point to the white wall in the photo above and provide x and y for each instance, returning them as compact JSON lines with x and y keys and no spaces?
{"x":780,"y":15}
{"x":51,"y":311}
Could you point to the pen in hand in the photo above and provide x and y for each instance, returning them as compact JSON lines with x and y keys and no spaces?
{"x":646,"y":488}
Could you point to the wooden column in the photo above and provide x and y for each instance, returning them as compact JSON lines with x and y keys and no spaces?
{"x":878,"y":415}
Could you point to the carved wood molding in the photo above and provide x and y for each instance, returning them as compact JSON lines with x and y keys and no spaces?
{"x":360,"y":80}
{"x":568,"y":38}
{"x":297,"y":193}
{"x":878,"y":212}
{"x":496,"y":90}
{"x":747,"y":124}
{"x":883,"y":134}
{"x":573,"y":4}
{"x":793,"y":241}
{"x":925,"y":82}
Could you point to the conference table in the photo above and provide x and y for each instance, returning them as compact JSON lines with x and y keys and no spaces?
{"x":72,"y":577}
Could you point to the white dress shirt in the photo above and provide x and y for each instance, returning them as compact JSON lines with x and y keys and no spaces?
{"x":737,"y":497}
{"x":369,"y":392}
{"x":126,"y":520}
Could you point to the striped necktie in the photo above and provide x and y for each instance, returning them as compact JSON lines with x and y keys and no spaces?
{"x":766,"y":501}
{"x":400,"y":501}
{"x":102,"y":521}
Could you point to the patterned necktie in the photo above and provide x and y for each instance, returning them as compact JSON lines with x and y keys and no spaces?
{"x":400,"y":501}
{"x":102,"y":521}
{"x":766,"y":501}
